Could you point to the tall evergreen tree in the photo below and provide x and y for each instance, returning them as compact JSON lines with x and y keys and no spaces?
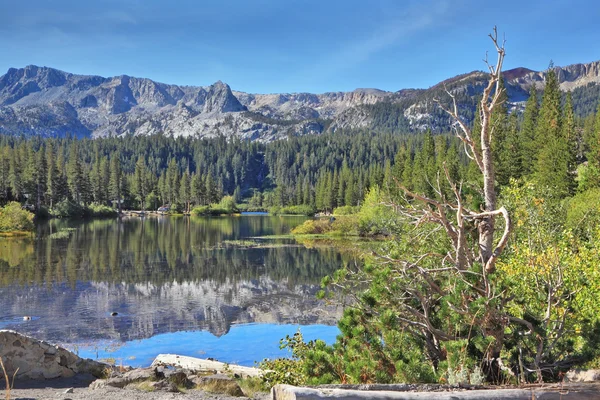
{"x":140,"y":182}
{"x":75,"y":174}
{"x":116,"y":183}
{"x":40,"y":177}
{"x":529,"y":149}
{"x":4,"y":174}
{"x":569,"y":136}
{"x":52,"y":178}
{"x":593,"y":153}
{"x":184,"y":191}
{"x":552,"y":166}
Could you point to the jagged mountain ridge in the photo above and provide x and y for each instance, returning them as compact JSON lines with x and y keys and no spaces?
{"x":48,"y":102}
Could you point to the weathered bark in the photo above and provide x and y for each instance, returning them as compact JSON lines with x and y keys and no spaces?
{"x":466,"y":256}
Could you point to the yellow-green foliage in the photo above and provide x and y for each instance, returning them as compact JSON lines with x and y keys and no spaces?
{"x":313,"y":227}
{"x":346,"y":210}
{"x":375,"y":216}
{"x":554,"y":277}
{"x":583,"y":213}
{"x":339,"y":226}
{"x":13,"y":218}
{"x":251,"y":386}
{"x":222,"y":386}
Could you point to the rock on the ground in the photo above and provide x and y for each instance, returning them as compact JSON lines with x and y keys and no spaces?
{"x":560,"y":392}
{"x":35,"y":359}
{"x":219,"y":383}
{"x":577,"y":375}
{"x":128,"y":378}
{"x":201,"y":365}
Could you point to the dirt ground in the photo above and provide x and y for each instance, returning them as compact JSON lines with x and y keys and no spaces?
{"x":56,"y":390}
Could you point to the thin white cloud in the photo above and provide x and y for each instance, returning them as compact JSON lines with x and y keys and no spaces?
{"x":394,"y":31}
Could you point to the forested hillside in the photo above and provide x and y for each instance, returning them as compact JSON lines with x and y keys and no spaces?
{"x":323,"y":171}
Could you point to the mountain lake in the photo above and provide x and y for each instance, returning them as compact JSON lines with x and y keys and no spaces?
{"x":127,"y":290}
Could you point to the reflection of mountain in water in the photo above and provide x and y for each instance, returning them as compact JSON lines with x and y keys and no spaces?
{"x":146,"y":310}
{"x":160,"y":275}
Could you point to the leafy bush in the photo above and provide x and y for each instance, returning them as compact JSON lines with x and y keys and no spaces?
{"x":102,"y":211}
{"x":346,"y":210}
{"x":226,"y":206}
{"x":313,"y":227}
{"x":342,"y":225}
{"x":303,"y":209}
{"x":13,"y":218}
{"x":68,"y":209}
{"x":583,"y":213}
{"x":42,"y":213}
{"x":201,"y":210}
{"x":296,"y":369}
{"x":375,"y":217}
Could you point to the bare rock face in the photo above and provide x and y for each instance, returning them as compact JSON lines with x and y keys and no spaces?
{"x":576,"y":375}
{"x":36,"y":359}
{"x":43,"y":101}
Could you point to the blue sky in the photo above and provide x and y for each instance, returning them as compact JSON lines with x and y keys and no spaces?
{"x":269,"y":46}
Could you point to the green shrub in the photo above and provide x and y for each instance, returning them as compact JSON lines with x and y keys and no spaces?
{"x":342,"y":225}
{"x":102,"y":211}
{"x":345,"y":224}
{"x":200,"y":210}
{"x":375,"y":217}
{"x":302,"y":209}
{"x":213,"y":209}
{"x":68,"y":209}
{"x":13,"y":218}
{"x":42,"y":213}
{"x":228,"y":204}
{"x":583,"y":213}
{"x":313,"y":227}
{"x":346,"y":210}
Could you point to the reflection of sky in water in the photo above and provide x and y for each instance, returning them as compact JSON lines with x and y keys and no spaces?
{"x":243,"y":345}
{"x":166,"y":275}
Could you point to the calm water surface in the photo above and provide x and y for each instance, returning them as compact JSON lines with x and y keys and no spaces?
{"x":205,"y":287}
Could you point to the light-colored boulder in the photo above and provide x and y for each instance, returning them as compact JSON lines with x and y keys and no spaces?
{"x":201,"y":365}
{"x":35,"y":359}
{"x":288,"y":392}
{"x":577,"y":375}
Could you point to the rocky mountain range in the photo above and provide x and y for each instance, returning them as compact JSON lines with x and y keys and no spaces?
{"x":48,"y":102}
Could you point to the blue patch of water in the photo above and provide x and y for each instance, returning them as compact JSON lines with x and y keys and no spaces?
{"x":242,"y":345}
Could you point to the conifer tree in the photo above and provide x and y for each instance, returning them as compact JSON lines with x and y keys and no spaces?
{"x":62,"y":184}
{"x":4,"y":173}
{"x":569,"y":136}
{"x":552,"y":165}
{"x":75,"y":174}
{"x":306,"y":192}
{"x":424,"y":170}
{"x":104,"y":180}
{"x":184,"y":191}
{"x":510,"y":158}
{"x":172,"y":181}
{"x":529,"y":150}
{"x":593,"y":154}
{"x":96,"y":175}
{"x":197,"y":189}
{"x":40,"y":177}
{"x":116,"y":183}
{"x":140,"y":182}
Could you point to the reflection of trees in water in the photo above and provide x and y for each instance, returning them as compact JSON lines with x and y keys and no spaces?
{"x":160,"y":250}
{"x":161,"y":274}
